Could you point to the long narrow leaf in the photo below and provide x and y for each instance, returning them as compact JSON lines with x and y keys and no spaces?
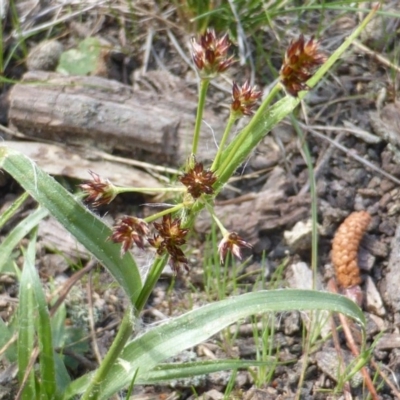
{"x":87,"y":228}
{"x":43,"y":328}
{"x":26,"y":330}
{"x":169,"y":372}
{"x":7,"y":214}
{"x":155,"y":346}
{"x":18,"y":233}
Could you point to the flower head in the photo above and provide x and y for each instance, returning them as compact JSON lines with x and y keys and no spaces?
{"x":198,"y":181}
{"x":129,"y":230}
{"x":98,"y":191}
{"x":210,"y":54}
{"x":233,"y":242}
{"x":244,"y":98}
{"x":169,"y":239}
{"x":301,"y":59}
{"x":178,"y":260}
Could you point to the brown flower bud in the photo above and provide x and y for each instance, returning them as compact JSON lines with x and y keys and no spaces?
{"x":345,"y":248}
{"x":198,"y":181}
{"x":169,"y":239}
{"x":210,"y":54}
{"x":98,"y":191}
{"x":128,"y":231}
{"x":244,"y":98}
{"x":301,"y":59}
{"x":232,"y":242}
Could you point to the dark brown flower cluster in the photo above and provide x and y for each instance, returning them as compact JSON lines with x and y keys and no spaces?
{"x":244,"y":99}
{"x":301,"y":59}
{"x":169,"y":239}
{"x":232,"y":242}
{"x":198,"y":181}
{"x":210,"y":54}
{"x":130,"y":230}
{"x":98,"y":191}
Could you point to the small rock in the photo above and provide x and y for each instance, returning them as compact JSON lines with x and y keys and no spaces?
{"x":330,"y":363}
{"x":389,"y":341}
{"x":375,"y":324}
{"x":44,"y":56}
{"x":291,"y":324}
{"x":373,"y":300}
{"x":299,"y":238}
{"x":212,"y":395}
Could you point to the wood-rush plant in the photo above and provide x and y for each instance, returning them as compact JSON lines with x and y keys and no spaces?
{"x":137,"y":359}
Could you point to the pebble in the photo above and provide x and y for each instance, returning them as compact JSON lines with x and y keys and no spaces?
{"x":44,"y":56}
{"x":373,"y":300}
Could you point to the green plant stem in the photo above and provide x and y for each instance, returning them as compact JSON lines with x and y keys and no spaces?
{"x":123,"y":335}
{"x":151,"y":280}
{"x":171,"y":210}
{"x":231,"y":121}
{"x":242,"y":136}
{"x":119,"y":190}
{"x":200,"y":108}
{"x":314,"y":200}
{"x":210,"y":209}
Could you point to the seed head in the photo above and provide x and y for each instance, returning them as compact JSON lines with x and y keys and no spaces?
{"x":301,"y":59}
{"x":233,"y":242}
{"x":98,"y":191}
{"x":244,"y":99}
{"x":169,"y":239}
{"x":178,"y":259}
{"x":129,"y":230}
{"x":345,"y":248}
{"x":198,"y":181}
{"x":210,"y":54}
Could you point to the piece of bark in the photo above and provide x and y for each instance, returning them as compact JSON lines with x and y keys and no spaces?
{"x":57,"y":160}
{"x":109,"y":115}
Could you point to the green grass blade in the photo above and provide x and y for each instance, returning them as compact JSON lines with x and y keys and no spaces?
{"x":46,"y":361}
{"x":169,"y":372}
{"x":87,"y":228}
{"x":62,"y":377}
{"x":18,"y":233}
{"x":7,"y":214}
{"x":26,"y":329}
{"x":147,"y":351}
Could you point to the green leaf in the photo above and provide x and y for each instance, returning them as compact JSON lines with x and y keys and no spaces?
{"x":62,"y":376}
{"x":18,"y":233}
{"x":6,"y":333}
{"x":43,"y":327}
{"x":155,"y":346}
{"x":169,"y":372}
{"x":87,"y":228}
{"x":26,"y":329}
{"x":10,"y":211}
{"x":81,"y":61}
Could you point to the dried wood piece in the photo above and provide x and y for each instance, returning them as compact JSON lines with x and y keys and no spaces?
{"x":345,"y":248}
{"x":96,"y":112}
{"x":57,"y":160}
